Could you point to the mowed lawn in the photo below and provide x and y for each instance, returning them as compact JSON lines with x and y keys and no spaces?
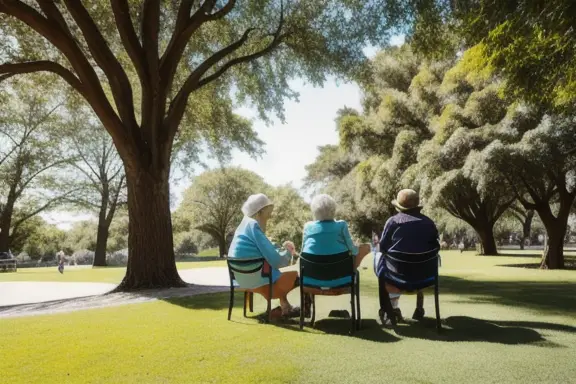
{"x":87,"y":274}
{"x":502,"y":324}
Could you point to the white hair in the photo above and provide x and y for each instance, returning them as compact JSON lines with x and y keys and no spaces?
{"x":323,"y":207}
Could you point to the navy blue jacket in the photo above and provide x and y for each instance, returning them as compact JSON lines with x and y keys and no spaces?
{"x":409,"y":233}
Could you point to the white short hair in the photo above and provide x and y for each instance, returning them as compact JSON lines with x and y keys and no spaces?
{"x":323,"y":207}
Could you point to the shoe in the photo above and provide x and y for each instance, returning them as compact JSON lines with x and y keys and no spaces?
{"x":384,"y":316}
{"x":418,"y":314}
{"x":292,"y":313}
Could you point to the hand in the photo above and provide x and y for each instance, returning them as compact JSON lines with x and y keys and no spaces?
{"x":290,"y":247}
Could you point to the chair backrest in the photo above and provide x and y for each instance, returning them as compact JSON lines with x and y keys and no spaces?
{"x":242,"y":270}
{"x":326,"y":267}
{"x":412,"y":271}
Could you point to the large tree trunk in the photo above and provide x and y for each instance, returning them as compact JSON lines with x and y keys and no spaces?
{"x":485,"y":232}
{"x":222,"y":246}
{"x":526,"y":228}
{"x":151,"y":262}
{"x":6,"y":221}
{"x":101,"y":245}
{"x":553,"y":257}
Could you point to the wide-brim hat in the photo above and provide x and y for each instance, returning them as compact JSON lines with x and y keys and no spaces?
{"x":406,"y":200}
{"x":255,"y":203}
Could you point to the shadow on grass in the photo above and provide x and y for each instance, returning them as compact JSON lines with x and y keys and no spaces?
{"x":524,"y":255}
{"x":470,"y":329}
{"x":558,"y":297}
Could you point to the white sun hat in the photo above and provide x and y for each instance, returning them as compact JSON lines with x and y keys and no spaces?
{"x":255,"y":203}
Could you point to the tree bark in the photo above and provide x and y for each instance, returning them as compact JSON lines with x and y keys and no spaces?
{"x":485,"y":232}
{"x":101,"y":245}
{"x":6,"y":221}
{"x":222,"y":246}
{"x":553,"y":257}
{"x":151,"y":261}
{"x":526,"y":228}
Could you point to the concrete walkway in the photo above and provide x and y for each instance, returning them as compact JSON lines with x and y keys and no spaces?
{"x":30,"y":292}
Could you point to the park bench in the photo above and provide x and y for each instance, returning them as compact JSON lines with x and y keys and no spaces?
{"x":7,"y":262}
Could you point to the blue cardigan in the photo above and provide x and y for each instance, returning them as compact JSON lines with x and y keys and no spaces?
{"x":250,"y":242}
{"x":327,"y":237}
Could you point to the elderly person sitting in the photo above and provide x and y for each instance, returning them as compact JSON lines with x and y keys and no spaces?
{"x":250,"y":242}
{"x":408,"y":233}
{"x":326,"y":236}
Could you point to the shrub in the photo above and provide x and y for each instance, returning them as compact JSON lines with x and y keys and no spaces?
{"x":118,"y":258}
{"x":83,"y":257}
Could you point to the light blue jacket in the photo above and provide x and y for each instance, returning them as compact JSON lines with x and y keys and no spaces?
{"x":250,"y":242}
{"x":327,"y":237}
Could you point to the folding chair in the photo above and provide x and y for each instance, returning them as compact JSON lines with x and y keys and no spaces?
{"x":242,"y":269}
{"x":316,"y":271}
{"x":410,"y":273}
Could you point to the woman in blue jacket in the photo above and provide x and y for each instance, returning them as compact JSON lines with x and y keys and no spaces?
{"x":250,"y":242}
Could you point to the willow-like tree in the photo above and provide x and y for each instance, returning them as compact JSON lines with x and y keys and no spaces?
{"x":212,"y":204}
{"x":178,"y":51}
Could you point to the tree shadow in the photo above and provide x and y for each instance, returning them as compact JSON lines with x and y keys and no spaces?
{"x":470,"y":329}
{"x":558,"y":297}
{"x":522,"y":255}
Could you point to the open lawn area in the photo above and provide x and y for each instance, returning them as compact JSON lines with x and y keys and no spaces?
{"x":502,"y":324}
{"x":87,"y":274}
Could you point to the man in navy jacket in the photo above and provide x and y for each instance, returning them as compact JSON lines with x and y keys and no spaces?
{"x":407,"y":235}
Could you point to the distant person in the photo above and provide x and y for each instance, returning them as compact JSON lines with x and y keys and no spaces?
{"x":461,"y":246}
{"x":61,"y":265}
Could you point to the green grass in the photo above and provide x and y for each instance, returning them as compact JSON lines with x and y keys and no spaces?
{"x":92,"y":275}
{"x":502,"y":325}
{"x":209,"y":252}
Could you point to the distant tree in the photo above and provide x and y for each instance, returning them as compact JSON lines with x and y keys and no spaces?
{"x":541,"y":175}
{"x":31,"y":155}
{"x":212,"y":203}
{"x":290,"y":214}
{"x":99,"y":177}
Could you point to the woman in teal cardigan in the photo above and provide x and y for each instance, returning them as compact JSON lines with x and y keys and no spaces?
{"x":327,"y":236}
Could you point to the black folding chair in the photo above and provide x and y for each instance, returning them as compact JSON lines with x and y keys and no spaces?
{"x":324,"y":268}
{"x":410,"y":273}
{"x":238,"y":268}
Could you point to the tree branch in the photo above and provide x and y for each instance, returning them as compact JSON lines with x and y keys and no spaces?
{"x":92,"y":89}
{"x":117,"y":78}
{"x":40,"y":209}
{"x":11,"y":69}
{"x":129,"y":38}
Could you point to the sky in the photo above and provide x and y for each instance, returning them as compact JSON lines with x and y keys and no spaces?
{"x":289,"y":146}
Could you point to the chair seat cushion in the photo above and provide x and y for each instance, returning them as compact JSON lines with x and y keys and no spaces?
{"x":327,"y":292}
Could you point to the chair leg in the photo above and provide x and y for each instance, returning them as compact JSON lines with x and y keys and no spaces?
{"x":246,"y":298}
{"x":302,"y":302}
{"x":231,"y":304}
{"x":358,"y":313}
{"x":251,"y":302}
{"x":437,"y":305}
{"x":312,"y":320}
{"x":353,"y":305}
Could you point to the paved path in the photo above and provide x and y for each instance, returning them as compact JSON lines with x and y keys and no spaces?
{"x":37,"y":298}
{"x":29,"y":292}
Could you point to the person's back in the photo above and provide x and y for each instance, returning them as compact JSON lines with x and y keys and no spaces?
{"x":327,"y":237}
{"x":409,"y":238}
{"x":409,"y":233}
